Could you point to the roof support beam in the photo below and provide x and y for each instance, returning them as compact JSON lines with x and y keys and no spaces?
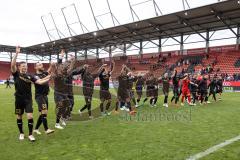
{"x":159,"y":44}
{"x":188,"y":24}
{"x":124,"y":49}
{"x":207,"y":42}
{"x":85,"y":54}
{"x":181,"y":44}
{"x":50,"y":58}
{"x":238,"y":38}
{"x":141,"y":47}
{"x":75,"y":54}
{"x":97,"y":53}
{"x":110,"y":53}
{"x":225,"y":23}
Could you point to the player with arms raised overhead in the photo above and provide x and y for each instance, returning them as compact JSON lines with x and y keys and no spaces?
{"x":123,"y":96}
{"x":60,"y":73}
{"x":23,"y":94}
{"x":105,"y":94}
{"x":88,"y":86}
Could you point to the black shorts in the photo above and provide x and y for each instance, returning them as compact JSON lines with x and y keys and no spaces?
{"x":203,"y":93}
{"x":42,"y":102}
{"x":155,"y":92}
{"x":71,"y":99}
{"x":165,"y":91}
{"x":139,"y":92}
{"x":150,"y":92}
{"x":123,"y":94}
{"x":176,"y":92}
{"x":212,"y":92}
{"x":219,"y":90}
{"x":105,"y":94}
{"x":23,"y":104}
{"x":131,"y":94}
{"x":61,"y":100}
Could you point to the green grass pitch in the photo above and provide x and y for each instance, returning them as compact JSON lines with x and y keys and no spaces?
{"x":154,"y":134}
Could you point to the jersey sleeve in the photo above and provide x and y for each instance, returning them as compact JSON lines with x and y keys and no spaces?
{"x":101,"y":74}
{"x":33,"y":78}
{"x":15,"y":74}
{"x":77,"y":71}
{"x":59,"y":61}
{"x":45,"y":73}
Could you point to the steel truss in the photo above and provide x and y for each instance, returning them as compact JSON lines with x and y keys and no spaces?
{"x":126,"y":45}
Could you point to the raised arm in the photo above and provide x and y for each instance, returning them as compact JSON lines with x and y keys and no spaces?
{"x":14,"y":60}
{"x":174,"y":74}
{"x":71,"y":67}
{"x":43,"y":80}
{"x":78,"y":71}
{"x":50,"y":67}
{"x":62,"y":53}
{"x":112,"y":67}
{"x":101,"y":68}
{"x":124,"y":67}
{"x":128,"y":69}
{"x":193,"y":83}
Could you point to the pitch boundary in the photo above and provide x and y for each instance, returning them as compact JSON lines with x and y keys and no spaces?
{"x":213,"y":148}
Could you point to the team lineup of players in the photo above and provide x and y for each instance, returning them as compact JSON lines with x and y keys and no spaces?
{"x":191,"y":88}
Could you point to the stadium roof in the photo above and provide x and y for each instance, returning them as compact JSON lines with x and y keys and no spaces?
{"x":217,"y":16}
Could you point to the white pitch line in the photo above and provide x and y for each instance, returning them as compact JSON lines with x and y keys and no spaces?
{"x":213,"y":149}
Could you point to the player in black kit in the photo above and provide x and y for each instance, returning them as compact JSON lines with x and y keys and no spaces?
{"x":41,"y":97}
{"x":165,"y":89}
{"x":131,"y":80}
{"x":194,"y":89}
{"x":60,"y":72}
{"x":23,"y":94}
{"x":212,"y":88}
{"x":123,"y":95}
{"x":203,"y":89}
{"x":176,"y":90}
{"x":88,"y":87}
{"x":139,"y":88}
{"x":105,"y":94}
{"x":220,"y":87}
{"x":8,"y":83}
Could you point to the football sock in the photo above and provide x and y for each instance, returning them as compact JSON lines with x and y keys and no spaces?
{"x":101,"y":106}
{"x":108,"y":105}
{"x":165,"y":99}
{"x":44,"y":121}
{"x":20,"y":125}
{"x":30,"y":126}
{"x":39,"y":122}
{"x":155,"y":100}
{"x":138,"y":100}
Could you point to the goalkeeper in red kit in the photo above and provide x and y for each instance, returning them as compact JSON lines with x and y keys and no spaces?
{"x":185,"y":90}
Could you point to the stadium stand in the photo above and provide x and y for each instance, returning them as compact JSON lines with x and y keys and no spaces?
{"x":237,"y":63}
{"x":227,"y":63}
